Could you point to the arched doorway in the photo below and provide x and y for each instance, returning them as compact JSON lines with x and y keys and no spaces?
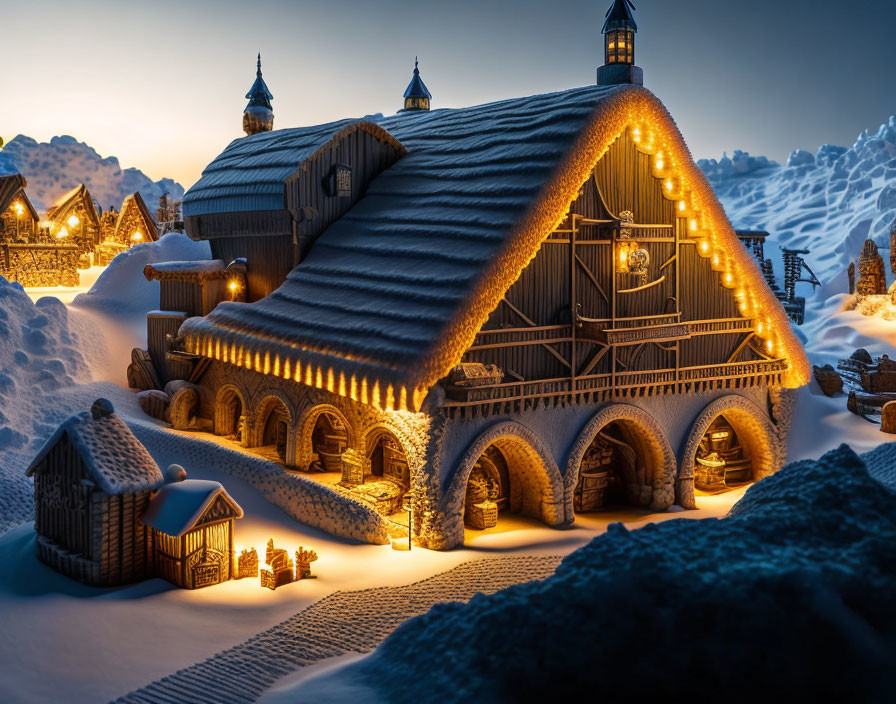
{"x":488,"y":490}
{"x":721,"y":461}
{"x":534,"y":486}
{"x":731,"y":443}
{"x":616,"y":469}
{"x":329,"y":439}
{"x":621,"y":458}
{"x":229,"y":413}
{"x":387,"y":458}
{"x":274,"y":425}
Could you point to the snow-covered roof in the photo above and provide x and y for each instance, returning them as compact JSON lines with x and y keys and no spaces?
{"x":176,"y":508}
{"x":249,"y":174}
{"x":392,"y":293}
{"x":183,"y":271}
{"x":67,"y":201}
{"x":12,"y":189}
{"x":135,"y":200}
{"x":114,"y":458}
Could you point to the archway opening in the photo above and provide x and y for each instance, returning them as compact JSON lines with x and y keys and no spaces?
{"x":229,"y":415}
{"x":275,"y":428}
{"x":724,"y":456}
{"x":329,"y":439}
{"x":509,"y":477}
{"x":617,"y":468}
{"x":388,"y":476}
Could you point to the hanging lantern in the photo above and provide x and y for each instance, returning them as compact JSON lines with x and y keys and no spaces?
{"x":624,"y":243}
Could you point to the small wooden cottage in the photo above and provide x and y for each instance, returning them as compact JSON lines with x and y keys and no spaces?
{"x":92,"y":483}
{"x":191,"y":523}
{"x":19,"y":221}
{"x":74,"y":219}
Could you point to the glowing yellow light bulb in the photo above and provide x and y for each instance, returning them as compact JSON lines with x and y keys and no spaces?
{"x":62,"y":234}
{"x":137,"y":236}
{"x":73,"y":221}
{"x":769,"y":346}
{"x":704,"y":247}
{"x":669,"y":185}
{"x":759,"y":328}
{"x":233,"y":285}
{"x":20,"y":209}
{"x":693,"y":225}
{"x":681,"y":205}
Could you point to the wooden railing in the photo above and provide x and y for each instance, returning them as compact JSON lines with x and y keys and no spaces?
{"x":742,"y":372}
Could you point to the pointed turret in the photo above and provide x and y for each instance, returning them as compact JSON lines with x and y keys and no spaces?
{"x":619,"y":46}
{"x":258,"y":115}
{"x":416,"y":97}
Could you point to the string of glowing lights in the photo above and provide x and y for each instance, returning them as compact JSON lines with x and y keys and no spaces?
{"x":708,"y":244}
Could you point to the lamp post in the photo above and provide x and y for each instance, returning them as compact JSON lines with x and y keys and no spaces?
{"x":407,"y":503}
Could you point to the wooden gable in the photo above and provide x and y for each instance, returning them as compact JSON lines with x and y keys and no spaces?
{"x":221,"y":509}
{"x":571,"y":314}
{"x":133,"y":220}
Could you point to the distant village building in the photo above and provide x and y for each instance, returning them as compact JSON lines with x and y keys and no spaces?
{"x":472,"y":308}
{"x":74,"y":219}
{"x":133,"y":225}
{"x":872,"y":276}
{"x":92,"y":483}
{"x":168,"y":215}
{"x":19,"y":221}
{"x":191,"y":522}
{"x":28,"y":255}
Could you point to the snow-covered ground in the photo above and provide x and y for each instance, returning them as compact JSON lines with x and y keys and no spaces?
{"x":61,"y":357}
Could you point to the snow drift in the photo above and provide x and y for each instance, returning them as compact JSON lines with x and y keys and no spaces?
{"x":792,"y":593}
{"x":828,"y":202}
{"x":122,"y":288}
{"x":57,"y":166}
{"x":41,"y":352}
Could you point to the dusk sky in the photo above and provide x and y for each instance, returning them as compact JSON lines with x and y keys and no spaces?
{"x":160,"y":84}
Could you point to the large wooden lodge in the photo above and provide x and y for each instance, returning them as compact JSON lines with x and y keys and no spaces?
{"x":535,"y":305}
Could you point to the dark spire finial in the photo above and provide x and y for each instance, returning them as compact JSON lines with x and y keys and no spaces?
{"x":416,"y":97}
{"x":258,"y":71}
{"x":259,"y":115}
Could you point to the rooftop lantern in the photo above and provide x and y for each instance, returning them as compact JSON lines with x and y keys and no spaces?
{"x":416,"y":97}
{"x":258,"y":115}
{"x":619,"y":47}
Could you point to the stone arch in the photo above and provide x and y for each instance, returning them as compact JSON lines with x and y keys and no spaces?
{"x":269,"y":401}
{"x":649,"y":440}
{"x":373,"y":432}
{"x":304,"y":449}
{"x":227,"y":413}
{"x":754,"y":430}
{"x":538,"y":488}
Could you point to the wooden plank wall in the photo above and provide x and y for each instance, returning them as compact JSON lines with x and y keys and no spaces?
{"x":367,"y":157}
{"x":269,"y":260}
{"x":622,"y":180}
{"x":62,"y":502}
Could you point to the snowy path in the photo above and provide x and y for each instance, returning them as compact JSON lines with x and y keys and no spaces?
{"x":341,"y":623}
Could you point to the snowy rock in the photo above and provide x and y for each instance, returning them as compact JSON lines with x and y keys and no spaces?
{"x":795,"y":586}
{"x":800,"y":157}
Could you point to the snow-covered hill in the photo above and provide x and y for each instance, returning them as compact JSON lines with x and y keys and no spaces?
{"x":827,"y":202}
{"x":57,"y":166}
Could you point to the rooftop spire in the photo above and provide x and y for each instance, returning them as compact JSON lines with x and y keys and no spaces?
{"x":417,"y":96}
{"x":619,"y":46}
{"x":258,"y":115}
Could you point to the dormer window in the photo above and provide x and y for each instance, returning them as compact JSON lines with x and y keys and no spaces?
{"x":338,"y":182}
